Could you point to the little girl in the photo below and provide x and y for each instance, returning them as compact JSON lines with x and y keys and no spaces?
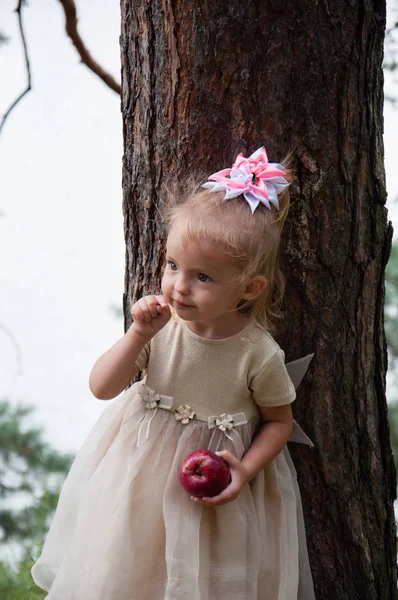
{"x":214,"y":378}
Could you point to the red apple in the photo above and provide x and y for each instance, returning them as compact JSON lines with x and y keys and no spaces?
{"x":203,"y":473}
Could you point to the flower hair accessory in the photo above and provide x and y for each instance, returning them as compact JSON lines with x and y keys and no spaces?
{"x":254,"y":177}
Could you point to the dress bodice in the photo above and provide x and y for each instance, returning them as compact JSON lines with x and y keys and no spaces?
{"x":232,"y":375}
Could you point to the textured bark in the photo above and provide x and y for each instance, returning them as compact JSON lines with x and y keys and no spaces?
{"x":202,"y":81}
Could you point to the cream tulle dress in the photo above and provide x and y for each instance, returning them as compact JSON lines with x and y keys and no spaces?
{"x":125,"y":529}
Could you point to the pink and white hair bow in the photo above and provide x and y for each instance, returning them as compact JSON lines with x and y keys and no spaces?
{"x":254,"y":177}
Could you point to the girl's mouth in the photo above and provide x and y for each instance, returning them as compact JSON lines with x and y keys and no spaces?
{"x":182,"y":304}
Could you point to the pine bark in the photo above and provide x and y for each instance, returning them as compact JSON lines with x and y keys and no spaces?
{"x":202,"y":81}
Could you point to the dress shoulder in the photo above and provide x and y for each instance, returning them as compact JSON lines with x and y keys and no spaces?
{"x":270,"y":382}
{"x":262,"y":345}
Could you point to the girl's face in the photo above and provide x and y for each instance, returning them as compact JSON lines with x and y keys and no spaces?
{"x":200,"y":282}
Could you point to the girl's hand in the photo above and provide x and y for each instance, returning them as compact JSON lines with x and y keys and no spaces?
{"x":239,"y":478}
{"x":150,"y":314}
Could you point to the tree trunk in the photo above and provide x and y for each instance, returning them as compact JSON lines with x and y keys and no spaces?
{"x":202,"y":81}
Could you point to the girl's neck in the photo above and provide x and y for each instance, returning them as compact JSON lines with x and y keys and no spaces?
{"x":220,"y":328}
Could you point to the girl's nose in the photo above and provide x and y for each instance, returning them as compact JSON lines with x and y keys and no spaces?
{"x":181,"y":285}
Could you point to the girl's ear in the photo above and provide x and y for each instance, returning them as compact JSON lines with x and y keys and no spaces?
{"x":253,"y":289}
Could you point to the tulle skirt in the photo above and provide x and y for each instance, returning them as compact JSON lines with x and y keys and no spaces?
{"x":125,"y":529}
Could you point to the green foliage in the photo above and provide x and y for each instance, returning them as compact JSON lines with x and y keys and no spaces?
{"x":16,"y":583}
{"x":31,"y":475}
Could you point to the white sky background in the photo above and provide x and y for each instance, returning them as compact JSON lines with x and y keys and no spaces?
{"x":61,"y":237}
{"x":61,"y":233}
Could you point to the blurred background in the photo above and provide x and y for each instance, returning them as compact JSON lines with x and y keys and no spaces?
{"x":62,"y":256}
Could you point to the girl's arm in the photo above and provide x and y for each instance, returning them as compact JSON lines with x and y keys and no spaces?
{"x":114,"y":370}
{"x":273,"y":435}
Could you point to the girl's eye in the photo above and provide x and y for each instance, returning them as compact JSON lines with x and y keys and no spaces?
{"x":172,"y":265}
{"x":203,"y":277}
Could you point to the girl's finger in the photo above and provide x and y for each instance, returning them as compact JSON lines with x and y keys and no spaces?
{"x":161,"y":301}
{"x":164,"y":312}
{"x":137,"y":313}
{"x":229,"y":458}
{"x":215,"y":500}
{"x":146,"y":312}
{"x":152,"y":306}
{"x":148,"y":316}
{"x":227,"y":495}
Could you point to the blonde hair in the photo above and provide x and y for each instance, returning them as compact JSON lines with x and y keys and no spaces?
{"x":251,"y":239}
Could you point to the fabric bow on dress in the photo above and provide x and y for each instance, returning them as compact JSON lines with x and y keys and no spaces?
{"x":152,"y":401}
{"x":297,"y":369}
{"x":225,"y":425}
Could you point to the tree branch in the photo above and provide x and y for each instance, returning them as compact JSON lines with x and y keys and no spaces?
{"x":18,"y":10}
{"x":71,"y":29}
